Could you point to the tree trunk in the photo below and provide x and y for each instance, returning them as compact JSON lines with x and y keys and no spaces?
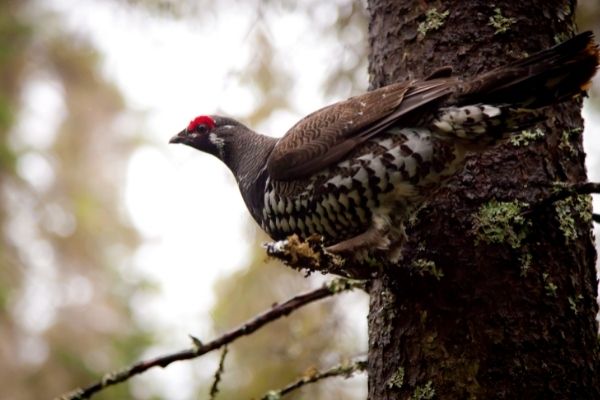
{"x":496,"y":297}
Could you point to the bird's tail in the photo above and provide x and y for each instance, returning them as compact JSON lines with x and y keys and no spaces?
{"x":544,"y":78}
{"x":507,"y":99}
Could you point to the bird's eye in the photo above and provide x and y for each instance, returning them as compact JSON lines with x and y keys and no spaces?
{"x":201,"y":128}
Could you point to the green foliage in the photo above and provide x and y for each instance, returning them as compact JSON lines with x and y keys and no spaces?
{"x":6,"y":115}
{"x":7,"y":156}
{"x":90,"y":328}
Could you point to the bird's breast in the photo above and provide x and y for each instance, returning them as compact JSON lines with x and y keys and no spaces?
{"x":385,"y":175}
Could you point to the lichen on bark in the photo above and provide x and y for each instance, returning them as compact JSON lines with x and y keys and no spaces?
{"x":500,"y":322}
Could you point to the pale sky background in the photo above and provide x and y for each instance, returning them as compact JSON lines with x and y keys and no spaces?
{"x":185,"y":203}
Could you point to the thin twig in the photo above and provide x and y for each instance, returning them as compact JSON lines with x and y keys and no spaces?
{"x":199,"y":349}
{"x":561,"y":191}
{"x":214,"y":389}
{"x":564,"y":190}
{"x":345,"y":370}
{"x":596,"y":218}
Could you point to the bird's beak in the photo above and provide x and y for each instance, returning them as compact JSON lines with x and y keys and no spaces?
{"x":179,"y":138}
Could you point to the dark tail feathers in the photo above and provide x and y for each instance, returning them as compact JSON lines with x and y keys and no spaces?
{"x":544,"y":78}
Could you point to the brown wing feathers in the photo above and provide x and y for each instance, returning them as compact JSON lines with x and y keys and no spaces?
{"x":327,"y":135}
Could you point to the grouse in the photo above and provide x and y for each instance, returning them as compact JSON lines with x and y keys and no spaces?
{"x":355,"y":171}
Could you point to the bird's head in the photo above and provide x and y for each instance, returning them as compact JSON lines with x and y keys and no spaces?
{"x":208,"y":133}
{"x":240,"y":148}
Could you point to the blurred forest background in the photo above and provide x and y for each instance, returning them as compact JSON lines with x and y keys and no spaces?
{"x":78,"y":294}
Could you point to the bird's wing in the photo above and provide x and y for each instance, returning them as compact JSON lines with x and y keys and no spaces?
{"x":327,"y":135}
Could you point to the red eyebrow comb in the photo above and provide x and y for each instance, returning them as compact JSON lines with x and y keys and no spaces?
{"x":202,"y":119}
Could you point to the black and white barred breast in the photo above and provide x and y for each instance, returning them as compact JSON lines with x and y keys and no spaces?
{"x":385,"y":177}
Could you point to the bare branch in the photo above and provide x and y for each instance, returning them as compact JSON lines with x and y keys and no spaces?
{"x":199,"y":349}
{"x":214,"y":389}
{"x":345,"y":370}
{"x":564,"y":190}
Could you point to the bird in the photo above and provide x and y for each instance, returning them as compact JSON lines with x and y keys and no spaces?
{"x":354,"y":172}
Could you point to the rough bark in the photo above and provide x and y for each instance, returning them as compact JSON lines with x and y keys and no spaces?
{"x":513,"y":315}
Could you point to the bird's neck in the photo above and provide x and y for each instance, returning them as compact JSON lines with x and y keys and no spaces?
{"x":246,"y":157}
{"x":248,"y":153}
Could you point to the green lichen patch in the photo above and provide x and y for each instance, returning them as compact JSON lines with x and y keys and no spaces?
{"x":500,"y":23}
{"x":571,"y":209}
{"x":397,"y":380}
{"x":574,"y":303}
{"x":564,"y":12}
{"x":370,"y":261}
{"x":424,"y":392}
{"x":561,"y":37}
{"x":525,"y":137}
{"x":549,"y":286}
{"x":424,"y":267}
{"x":565,"y":140}
{"x":502,"y":222}
{"x":525,"y":263}
{"x":342,"y":284}
{"x":434,"y":20}
{"x":272,"y":395}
